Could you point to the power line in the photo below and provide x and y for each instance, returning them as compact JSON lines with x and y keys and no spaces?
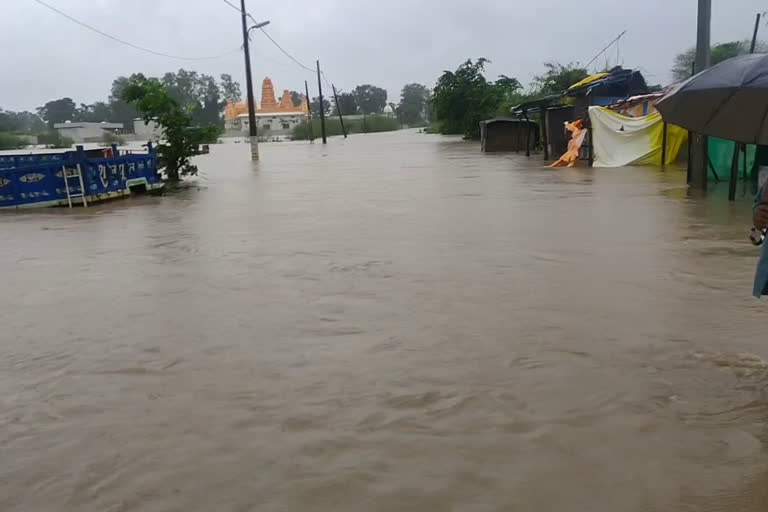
{"x":233,"y":6}
{"x":325,"y":79}
{"x":285,"y":52}
{"x":127,"y":43}
{"x":277,"y":45}
{"x":604,"y":49}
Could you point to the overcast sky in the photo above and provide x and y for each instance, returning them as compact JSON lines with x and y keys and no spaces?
{"x":44,"y":56}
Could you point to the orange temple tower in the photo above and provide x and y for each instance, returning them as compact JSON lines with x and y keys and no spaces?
{"x":269,"y":103}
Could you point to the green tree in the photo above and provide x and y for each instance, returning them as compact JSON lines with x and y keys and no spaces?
{"x":181,"y":138}
{"x":463,"y":98}
{"x":95,"y":113}
{"x":198,"y":94}
{"x":682,"y":65}
{"x":347,"y":104}
{"x":58,"y":111}
{"x":296,"y":98}
{"x":230,"y":90}
{"x":558,"y":77}
{"x":21,"y":122}
{"x":122,"y":111}
{"x":370,"y":99}
{"x":413,"y":104}
{"x":315,"y":106}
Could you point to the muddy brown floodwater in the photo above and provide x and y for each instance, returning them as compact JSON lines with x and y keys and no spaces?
{"x":392,"y":322}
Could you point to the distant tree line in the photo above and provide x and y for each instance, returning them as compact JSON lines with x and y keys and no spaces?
{"x":682,"y":66}
{"x":201,"y":96}
{"x":464,"y":97}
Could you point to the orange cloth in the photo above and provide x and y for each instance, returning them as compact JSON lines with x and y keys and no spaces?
{"x":578,"y":132}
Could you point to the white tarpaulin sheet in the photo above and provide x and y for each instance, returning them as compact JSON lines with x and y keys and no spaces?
{"x":621,"y":140}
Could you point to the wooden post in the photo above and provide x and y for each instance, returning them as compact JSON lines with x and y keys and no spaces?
{"x":734,"y":173}
{"x":744,"y":150}
{"x":663,"y":145}
{"x":527,"y":134}
{"x":338,"y":109}
{"x":545,"y":135}
{"x":322,"y":108}
{"x":309,"y":114}
{"x":712,"y":168}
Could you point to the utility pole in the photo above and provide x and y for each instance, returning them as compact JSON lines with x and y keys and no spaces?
{"x":703,"y":56}
{"x":309,"y":112}
{"x":322,"y":107}
{"x":754,"y":34}
{"x":253,"y":129}
{"x":338,"y":110}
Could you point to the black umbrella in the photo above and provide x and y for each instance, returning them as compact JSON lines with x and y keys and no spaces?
{"x":729,"y":100}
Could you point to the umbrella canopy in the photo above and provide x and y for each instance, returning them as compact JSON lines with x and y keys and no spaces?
{"x":729,"y":100}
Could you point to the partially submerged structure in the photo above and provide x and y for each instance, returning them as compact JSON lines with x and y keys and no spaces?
{"x":508,"y":134}
{"x":551,"y":113}
{"x":35,"y":180}
{"x":82,"y":132}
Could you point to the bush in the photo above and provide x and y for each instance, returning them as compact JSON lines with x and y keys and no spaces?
{"x":55,"y":140}
{"x":112,"y":138}
{"x":207,"y":134}
{"x":375,"y":124}
{"x":11,"y":141}
{"x":372,"y":124}
{"x":434,"y":127}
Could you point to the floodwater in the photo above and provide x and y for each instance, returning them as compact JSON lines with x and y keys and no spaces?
{"x":394,"y":322}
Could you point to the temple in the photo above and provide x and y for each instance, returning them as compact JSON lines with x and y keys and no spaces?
{"x":272,"y":118}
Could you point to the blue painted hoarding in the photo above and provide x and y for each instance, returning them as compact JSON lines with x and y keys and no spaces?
{"x":38,"y":180}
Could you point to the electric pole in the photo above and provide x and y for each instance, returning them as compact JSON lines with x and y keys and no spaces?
{"x":754,"y":34}
{"x":338,"y":110}
{"x":703,"y":58}
{"x":322,"y":107}
{"x":253,"y":129}
{"x":309,"y":114}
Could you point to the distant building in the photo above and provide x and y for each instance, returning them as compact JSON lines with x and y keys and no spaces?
{"x":389,"y":111}
{"x":145,"y":131}
{"x":272,"y":118}
{"x":87,"y":132}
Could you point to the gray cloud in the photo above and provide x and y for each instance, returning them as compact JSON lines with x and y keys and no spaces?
{"x":385,"y":43}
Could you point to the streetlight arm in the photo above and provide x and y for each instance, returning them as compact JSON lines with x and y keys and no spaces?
{"x":258,"y":25}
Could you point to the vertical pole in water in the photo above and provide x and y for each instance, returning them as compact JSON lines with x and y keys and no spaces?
{"x":322,"y":106}
{"x":690,"y":142}
{"x":253,"y":131}
{"x":734,"y":172}
{"x":545,"y":135}
{"x":664,"y":145}
{"x":527,"y":134}
{"x":754,"y":34}
{"x":703,"y":57}
{"x":338,"y":110}
{"x":309,"y":114}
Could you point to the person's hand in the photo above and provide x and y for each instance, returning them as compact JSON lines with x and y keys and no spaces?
{"x":760,"y":216}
